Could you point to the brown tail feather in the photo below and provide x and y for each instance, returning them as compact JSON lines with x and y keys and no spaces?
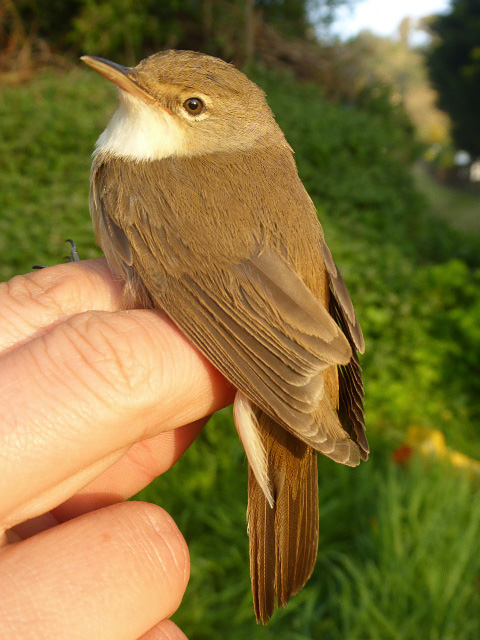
{"x":283,"y":539}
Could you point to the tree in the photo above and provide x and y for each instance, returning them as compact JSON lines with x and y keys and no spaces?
{"x":454,"y":63}
{"x":392,"y":62}
{"x":297,"y":17}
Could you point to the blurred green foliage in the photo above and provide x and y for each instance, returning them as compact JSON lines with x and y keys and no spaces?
{"x":126,"y":30}
{"x":398,"y":551}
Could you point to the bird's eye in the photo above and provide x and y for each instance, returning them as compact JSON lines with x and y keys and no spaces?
{"x":194,"y":106}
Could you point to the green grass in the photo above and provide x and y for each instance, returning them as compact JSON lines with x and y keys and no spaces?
{"x":48,"y":131}
{"x":398,"y":555}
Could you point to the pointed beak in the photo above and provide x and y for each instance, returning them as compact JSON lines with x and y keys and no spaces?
{"x":124,"y":77}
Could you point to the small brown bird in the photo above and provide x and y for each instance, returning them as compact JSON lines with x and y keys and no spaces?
{"x":197,"y":205}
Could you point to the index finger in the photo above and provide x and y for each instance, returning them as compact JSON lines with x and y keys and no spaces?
{"x":77,"y":398}
{"x":33,"y":302}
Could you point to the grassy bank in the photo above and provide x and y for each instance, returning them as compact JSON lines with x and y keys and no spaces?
{"x":398,"y":553}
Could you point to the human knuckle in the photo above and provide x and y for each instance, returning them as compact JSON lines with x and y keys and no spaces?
{"x":109,"y":347}
{"x":41,"y":289}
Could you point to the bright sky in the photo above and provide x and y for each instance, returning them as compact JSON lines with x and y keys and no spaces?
{"x":383,"y":16}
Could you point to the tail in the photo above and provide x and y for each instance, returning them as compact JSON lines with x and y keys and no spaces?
{"x":283,"y":538}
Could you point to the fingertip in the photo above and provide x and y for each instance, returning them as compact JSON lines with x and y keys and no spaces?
{"x":123,"y":568}
{"x":174,"y":558}
{"x":73,"y":287}
{"x":165,"y":630}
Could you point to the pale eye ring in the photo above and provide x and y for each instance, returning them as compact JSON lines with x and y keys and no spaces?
{"x":194,"y":106}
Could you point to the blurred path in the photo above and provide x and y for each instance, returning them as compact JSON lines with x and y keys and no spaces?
{"x":460,"y":209}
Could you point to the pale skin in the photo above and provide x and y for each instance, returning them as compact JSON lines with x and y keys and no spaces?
{"x":96,"y":403}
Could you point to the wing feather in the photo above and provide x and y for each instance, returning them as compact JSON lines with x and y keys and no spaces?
{"x":351,"y":392}
{"x":340,"y":292}
{"x":254,"y":319}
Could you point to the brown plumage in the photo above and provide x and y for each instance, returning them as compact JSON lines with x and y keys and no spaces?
{"x":203,"y":215}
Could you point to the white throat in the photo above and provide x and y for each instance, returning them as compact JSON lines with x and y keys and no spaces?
{"x":139,"y":132}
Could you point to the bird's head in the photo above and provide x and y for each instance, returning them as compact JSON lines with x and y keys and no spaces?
{"x":182,"y":103}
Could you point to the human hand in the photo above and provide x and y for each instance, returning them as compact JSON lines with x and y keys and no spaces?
{"x":96,"y":402}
